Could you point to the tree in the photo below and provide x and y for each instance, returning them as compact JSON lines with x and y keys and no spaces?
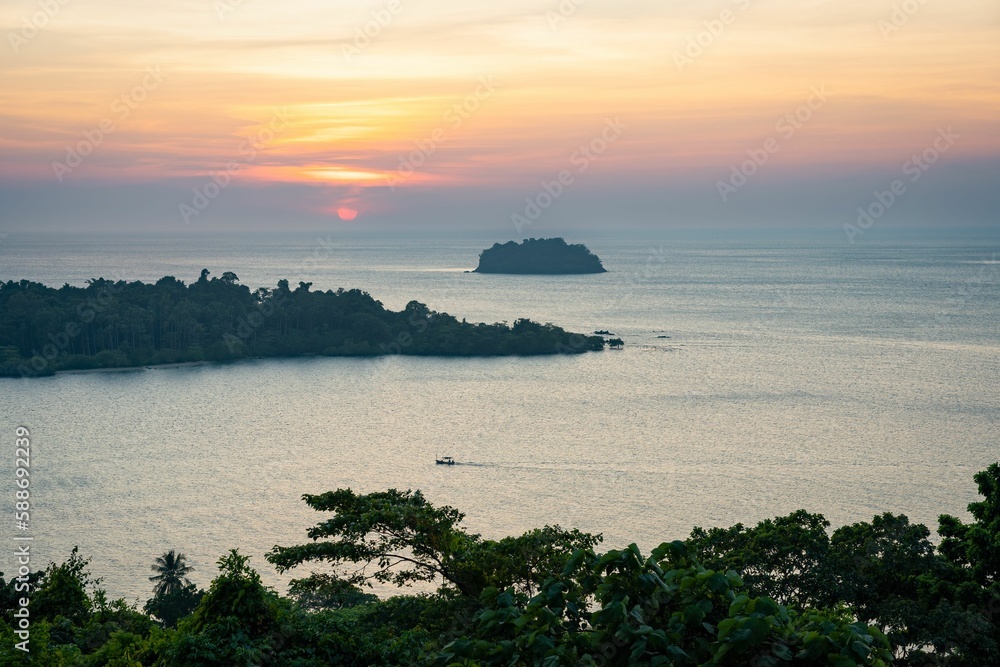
{"x":523,"y":563}
{"x":399,"y":532}
{"x":398,"y":537}
{"x":234,"y":625}
{"x":171,"y":570}
{"x":976,"y":546}
{"x":74,"y":623}
{"x":886,"y":572}
{"x":622,"y":609}
{"x":973,"y":550}
{"x":11,"y":591}
{"x":118,"y":324}
{"x":237,"y":592}
{"x":783,"y":558}
{"x":881,"y":561}
{"x":63,"y":590}
{"x":325,"y":591}
{"x":171,"y":607}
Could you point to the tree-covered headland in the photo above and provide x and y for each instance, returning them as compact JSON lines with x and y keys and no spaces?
{"x":119,"y":324}
{"x":783,"y":593}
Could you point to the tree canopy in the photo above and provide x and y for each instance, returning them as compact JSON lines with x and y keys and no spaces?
{"x":398,"y":537}
{"x":783,"y":593}
{"x":115,"y":324}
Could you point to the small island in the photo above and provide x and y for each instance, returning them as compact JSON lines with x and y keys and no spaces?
{"x":539,"y":256}
{"x":119,"y":324}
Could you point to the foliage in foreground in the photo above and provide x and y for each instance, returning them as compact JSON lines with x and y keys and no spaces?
{"x":783,"y":593}
{"x":663,"y":610}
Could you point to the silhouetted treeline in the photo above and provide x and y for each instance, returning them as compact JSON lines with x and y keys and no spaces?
{"x":113,"y":324}
{"x":783,"y":593}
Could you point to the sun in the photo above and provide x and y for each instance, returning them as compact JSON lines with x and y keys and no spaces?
{"x":345,"y":213}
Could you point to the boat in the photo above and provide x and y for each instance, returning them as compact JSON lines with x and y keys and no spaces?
{"x":445,"y":461}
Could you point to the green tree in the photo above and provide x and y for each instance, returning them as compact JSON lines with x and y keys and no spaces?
{"x":171,"y":573}
{"x":170,"y":607}
{"x":236,"y":623}
{"x":398,"y":537}
{"x":622,"y":609}
{"x":783,"y":558}
{"x":881,"y":562}
{"x":326,"y":591}
{"x":73,"y":623}
{"x":887,"y":571}
{"x":975,"y":546}
{"x":63,"y":590}
{"x":237,"y":592}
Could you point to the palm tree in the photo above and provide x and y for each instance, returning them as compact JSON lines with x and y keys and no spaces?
{"x":170,"y":571}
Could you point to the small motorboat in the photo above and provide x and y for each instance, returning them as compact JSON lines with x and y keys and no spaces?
{"x":445,"y":461}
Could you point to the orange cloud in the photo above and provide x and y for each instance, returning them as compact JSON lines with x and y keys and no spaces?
{"x":356,"y":122}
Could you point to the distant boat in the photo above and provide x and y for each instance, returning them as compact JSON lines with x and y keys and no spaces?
{"x":445,"y":461}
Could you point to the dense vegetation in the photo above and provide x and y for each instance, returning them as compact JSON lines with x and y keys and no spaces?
{"x":119,"y":324}
{"x":545,"y":256}
{"x":782,"y":593}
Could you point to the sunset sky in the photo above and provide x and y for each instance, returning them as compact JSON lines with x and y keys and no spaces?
{"x":119,"y":114}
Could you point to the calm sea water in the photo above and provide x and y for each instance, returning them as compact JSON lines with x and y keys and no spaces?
{"x":758,"y":378}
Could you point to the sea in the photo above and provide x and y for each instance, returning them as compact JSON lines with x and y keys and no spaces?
{"x":761,"y":374}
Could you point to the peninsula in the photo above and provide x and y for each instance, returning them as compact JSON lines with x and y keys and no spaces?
{"x":539,"y":256}
{"x":119,"y":324}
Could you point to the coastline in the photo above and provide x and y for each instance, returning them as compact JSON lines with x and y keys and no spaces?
{"x":126,"y":369}
{"x":216,"y":362}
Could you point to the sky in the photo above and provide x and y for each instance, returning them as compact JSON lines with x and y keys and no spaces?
{"x":521,"y":116}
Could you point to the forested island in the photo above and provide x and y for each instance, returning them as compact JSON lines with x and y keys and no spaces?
{"x":539,"y":256}
{"x":783,"y":593}
{"x":119,"y":324}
